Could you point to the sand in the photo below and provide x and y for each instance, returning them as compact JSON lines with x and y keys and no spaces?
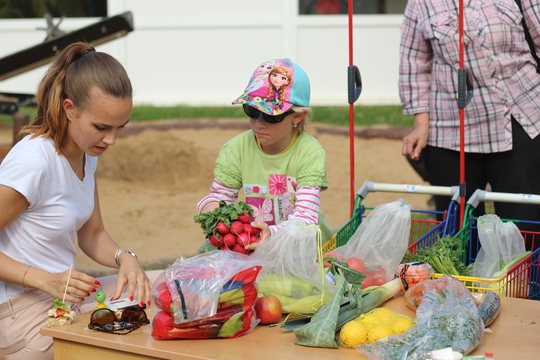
{"x":151,"y":180}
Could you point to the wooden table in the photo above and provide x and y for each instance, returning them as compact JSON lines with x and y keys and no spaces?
{"x":516,"y":335}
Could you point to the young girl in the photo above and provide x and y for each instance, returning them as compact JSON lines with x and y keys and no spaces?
{"x":49,"y":200}
{"x":281,"y":169}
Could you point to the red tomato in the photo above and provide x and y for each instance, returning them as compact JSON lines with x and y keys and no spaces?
{"x":334,"y":254}
{"x":379,"y":281}
{"x":367,"y":283}
{"x":356,"y":264}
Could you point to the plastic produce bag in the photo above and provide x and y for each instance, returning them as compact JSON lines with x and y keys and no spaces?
{"x":381,"y":240}
{"x":501,"y":243}
{"x":446,"y":317}
{"x":205,"y":296}
{"x":295,"y":276}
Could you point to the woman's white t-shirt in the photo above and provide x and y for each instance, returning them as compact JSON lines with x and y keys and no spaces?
{"x":44,"y":235}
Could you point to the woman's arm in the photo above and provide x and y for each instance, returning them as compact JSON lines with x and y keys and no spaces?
{"x":416,"y":60}
{"x":14,"y":272}
{"x":96,"y":242}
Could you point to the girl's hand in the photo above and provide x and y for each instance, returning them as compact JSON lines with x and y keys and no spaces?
{"x":132,"y":274}
{"x":79,"y":285}
{"x":263,"y":235}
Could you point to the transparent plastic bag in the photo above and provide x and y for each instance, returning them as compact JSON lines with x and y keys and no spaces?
{"x":295,"y":276}
{"x":190,"y":288}
{"x":446,"y":317}
{"x":381,"y":239}
{"x":501,"y":243}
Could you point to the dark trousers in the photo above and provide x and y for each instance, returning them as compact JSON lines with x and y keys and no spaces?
{"x":515,"y":171}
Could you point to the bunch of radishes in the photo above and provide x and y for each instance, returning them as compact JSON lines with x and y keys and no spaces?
{"x":228,"y":226}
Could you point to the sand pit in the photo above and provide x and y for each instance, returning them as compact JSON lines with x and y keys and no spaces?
{"x":152,"y":179}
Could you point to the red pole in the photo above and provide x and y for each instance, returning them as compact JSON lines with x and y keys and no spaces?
{"x":351,"y":112}
{"x":461,"y":124}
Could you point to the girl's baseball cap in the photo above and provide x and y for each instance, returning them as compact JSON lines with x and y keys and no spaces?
{"x":275,"y":86}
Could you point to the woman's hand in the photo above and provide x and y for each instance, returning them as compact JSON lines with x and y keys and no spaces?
{"x":417,"y":139}
{"x":132,"y":274}
{"x":263,"y":235}
{"x":76,"y":285}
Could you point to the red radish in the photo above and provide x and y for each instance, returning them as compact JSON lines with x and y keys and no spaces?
{"x":222,"y":228}
{"x":243,"y":239}
{"x":215,"y":241}
{"x":356,"y":264}
{"x":237,"y":227}
{"x":255,"y":231}
{"x":253,"y":239}
{"x":248,"y":229}
{"x":229,"y":240}
{"x":240,"y":249}
{"x":244,"y":218}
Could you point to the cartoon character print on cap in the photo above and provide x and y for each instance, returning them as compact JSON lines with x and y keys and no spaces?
{"x":275,"y":86}
{"x":273,"y":89}
{"x":260,"y":74}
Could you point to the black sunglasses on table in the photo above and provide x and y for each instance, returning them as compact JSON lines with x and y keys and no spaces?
{"x":254,"y":113}
{"x":131,"y":319}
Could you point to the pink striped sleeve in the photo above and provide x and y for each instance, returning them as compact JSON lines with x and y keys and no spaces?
{"x":306,"y":207}
{"x":218,"y":192}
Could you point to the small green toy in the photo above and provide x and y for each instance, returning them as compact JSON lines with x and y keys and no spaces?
{"x":100,"y":298}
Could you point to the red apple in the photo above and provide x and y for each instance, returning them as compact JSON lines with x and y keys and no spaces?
{"x":268,"y":309}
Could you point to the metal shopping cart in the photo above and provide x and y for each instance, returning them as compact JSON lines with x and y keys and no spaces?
{"x":523,"y":279}
{"x":424,"y":227}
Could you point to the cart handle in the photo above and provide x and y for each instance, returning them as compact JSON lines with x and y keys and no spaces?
{"x":370,"y":186}
{"x":483,"y":195}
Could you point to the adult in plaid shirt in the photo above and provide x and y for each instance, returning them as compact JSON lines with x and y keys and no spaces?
{"x":502,"y":121}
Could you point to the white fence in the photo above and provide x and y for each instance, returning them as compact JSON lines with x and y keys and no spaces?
{"x":203,"y":52}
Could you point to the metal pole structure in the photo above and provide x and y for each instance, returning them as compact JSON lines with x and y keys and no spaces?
{"x":465,"y":93}
{"x":354,"y":84}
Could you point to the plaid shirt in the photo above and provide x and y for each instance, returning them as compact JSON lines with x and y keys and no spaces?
{"x":495,"y":51}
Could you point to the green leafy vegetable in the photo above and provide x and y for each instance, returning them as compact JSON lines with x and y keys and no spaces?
{"x":58,"y":304}
{"x":444,"y":256}
{"x":224,"y":212}
{"x":319,"y":330}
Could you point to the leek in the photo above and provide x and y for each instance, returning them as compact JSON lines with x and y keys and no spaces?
{"x":512,"y":263}
{"x":319,"y":330}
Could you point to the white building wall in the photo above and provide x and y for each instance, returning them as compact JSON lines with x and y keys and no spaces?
{"x":203,"y":52}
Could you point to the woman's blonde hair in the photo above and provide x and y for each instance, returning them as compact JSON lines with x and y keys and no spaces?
{"x":76,"y":71}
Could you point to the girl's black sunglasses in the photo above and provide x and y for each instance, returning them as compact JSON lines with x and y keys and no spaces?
{"x":254,"y":113}
{"x":131,"y":319}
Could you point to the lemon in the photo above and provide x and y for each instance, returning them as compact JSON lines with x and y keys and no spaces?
{"x":354,"y":333}
{"x":377,"y":314}
{"x":400,"y":324}
{"x":384,"y":313}
{"x":379,"y":331}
